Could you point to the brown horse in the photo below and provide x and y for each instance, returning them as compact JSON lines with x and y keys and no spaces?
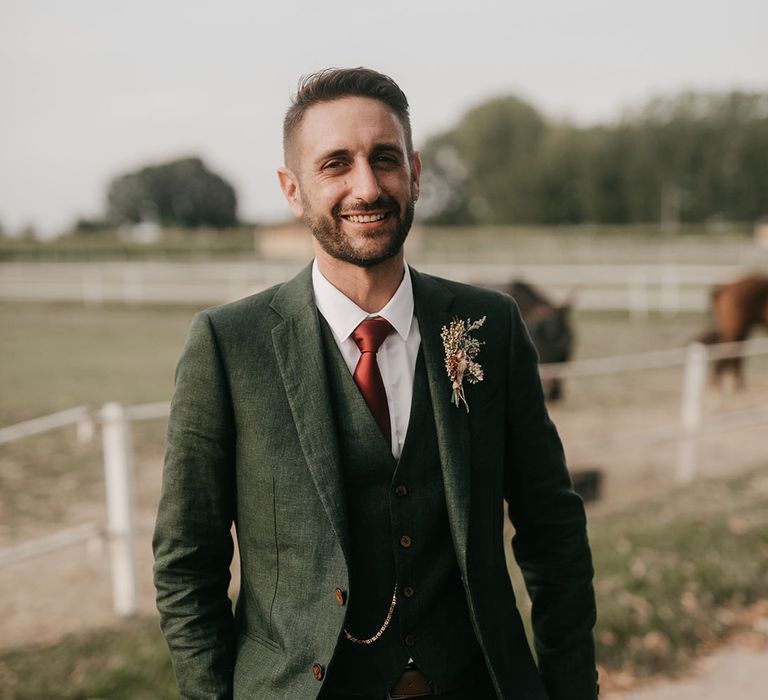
{"x":737,"y":308}
{"x":550,"y":327}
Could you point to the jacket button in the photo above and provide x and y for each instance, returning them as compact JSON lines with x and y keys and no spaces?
{"x":401,"y":490}
{"x":410,"y":640}
{"x":317,"y":672}
{"x":405,"y":541}
{"x":408,"y":591}
{"x":340,"y":597}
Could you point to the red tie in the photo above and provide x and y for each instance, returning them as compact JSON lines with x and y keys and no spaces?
{"x":369,"y":336}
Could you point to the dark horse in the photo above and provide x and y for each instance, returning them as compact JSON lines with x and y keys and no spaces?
{"x":737,"y":308}
{"x":549,"y":326}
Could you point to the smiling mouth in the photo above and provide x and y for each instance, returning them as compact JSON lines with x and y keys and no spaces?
{"x":365,"y":218}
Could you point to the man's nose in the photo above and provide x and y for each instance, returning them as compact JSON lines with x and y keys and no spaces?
{"x":364,"y":185}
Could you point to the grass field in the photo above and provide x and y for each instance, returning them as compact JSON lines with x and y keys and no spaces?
{"x":674,"y":567}
{"x":56,"y":356}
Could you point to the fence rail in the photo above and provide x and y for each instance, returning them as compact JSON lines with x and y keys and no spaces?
{"x":655,"y":359}
{"x":80,"y":416}
{"x":115,"y":420}
{"x":51,"y":543}
{"x":638,"y":289}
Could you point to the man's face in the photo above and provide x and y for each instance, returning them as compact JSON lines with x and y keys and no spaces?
{"x":351,"y":180}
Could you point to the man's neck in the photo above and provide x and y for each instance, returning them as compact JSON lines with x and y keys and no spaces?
{"x":369,"y":287}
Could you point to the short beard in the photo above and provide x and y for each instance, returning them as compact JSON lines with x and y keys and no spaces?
{"x":327,"y":231}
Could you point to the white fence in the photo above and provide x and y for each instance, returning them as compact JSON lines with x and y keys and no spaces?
{"x":695,"y":359}
{"x":638,"y":289}
{"x":116,"y":420}
{"x":120,"y":530}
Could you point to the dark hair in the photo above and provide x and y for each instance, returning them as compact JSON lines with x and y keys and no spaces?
{"x":334,"y":83}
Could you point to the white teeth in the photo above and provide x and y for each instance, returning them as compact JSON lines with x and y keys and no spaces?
{"x":365,"y":219}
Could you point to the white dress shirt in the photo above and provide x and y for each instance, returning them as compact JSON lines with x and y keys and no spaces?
{"x":396,"y":356}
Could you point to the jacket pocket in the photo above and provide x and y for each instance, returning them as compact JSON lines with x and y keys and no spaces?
{"x":264,"y":641}
{"x":258,"y":667}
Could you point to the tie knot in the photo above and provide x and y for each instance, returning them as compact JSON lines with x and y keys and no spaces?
{"x":370,"y":334}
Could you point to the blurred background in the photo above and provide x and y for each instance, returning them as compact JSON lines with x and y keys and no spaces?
{"x":605,"y":163}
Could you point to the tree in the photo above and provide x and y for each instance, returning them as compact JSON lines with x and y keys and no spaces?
{"x":180,"y":193}
{"x":559,"y":181}
{"x":484,"y":163}
{"x":709,"y":154}
{"x":691,"y":157}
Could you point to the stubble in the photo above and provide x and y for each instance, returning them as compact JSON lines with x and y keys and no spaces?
{"x":378,"y":245}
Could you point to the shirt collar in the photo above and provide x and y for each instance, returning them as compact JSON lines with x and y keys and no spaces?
{"x":343,"y":315}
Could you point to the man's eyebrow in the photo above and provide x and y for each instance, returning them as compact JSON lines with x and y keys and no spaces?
{"x":337,"y":153}
{"x":388,"y":147}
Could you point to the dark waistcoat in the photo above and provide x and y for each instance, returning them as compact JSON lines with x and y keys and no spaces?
{"x":399,"y":535}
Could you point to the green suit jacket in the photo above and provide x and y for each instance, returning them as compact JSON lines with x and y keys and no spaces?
{"x":251,"y":441}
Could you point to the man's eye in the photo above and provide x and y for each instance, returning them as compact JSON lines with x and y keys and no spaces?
{"x":331,"y":164}
{"x":386,"y":159}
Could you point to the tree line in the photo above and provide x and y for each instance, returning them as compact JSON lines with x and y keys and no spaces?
{"x":689,"y":158}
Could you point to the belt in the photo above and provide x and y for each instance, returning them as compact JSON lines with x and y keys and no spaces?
{"x":412,"y":684}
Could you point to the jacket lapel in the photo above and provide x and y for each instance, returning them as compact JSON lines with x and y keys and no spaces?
{"x":432,"y":307}
{"x":299,"y":352}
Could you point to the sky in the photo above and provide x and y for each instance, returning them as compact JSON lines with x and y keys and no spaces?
{"x":91,"y":89}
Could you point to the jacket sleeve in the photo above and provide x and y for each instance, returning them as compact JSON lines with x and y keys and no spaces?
{"x":550,"y":542}
{"x":192,"y":541}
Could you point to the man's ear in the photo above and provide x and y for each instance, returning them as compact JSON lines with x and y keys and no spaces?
{"x":289,"y":184}
{"x":415,"y":174}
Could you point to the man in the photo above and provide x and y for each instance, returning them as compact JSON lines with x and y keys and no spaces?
{"x":366,"y":485}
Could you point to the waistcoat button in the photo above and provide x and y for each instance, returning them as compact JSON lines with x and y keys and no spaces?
{"x":410,"y":640}
{"x":405,"y":541}
{"x":408,"y":591}
{"x":401,"y":490}
{"x":317,"y":672}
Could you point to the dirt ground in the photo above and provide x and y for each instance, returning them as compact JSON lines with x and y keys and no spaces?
{"x":45,"y":597}
{"x":736,"y":671}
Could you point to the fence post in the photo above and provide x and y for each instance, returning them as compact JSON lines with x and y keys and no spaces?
{"x":118,"y":475}
{"x":694,"y":381}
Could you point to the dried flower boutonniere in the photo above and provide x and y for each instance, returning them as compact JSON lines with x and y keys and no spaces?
{"x":460,"y":352}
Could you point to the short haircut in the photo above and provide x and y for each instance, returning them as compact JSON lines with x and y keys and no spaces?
{"x":334,"y":83}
